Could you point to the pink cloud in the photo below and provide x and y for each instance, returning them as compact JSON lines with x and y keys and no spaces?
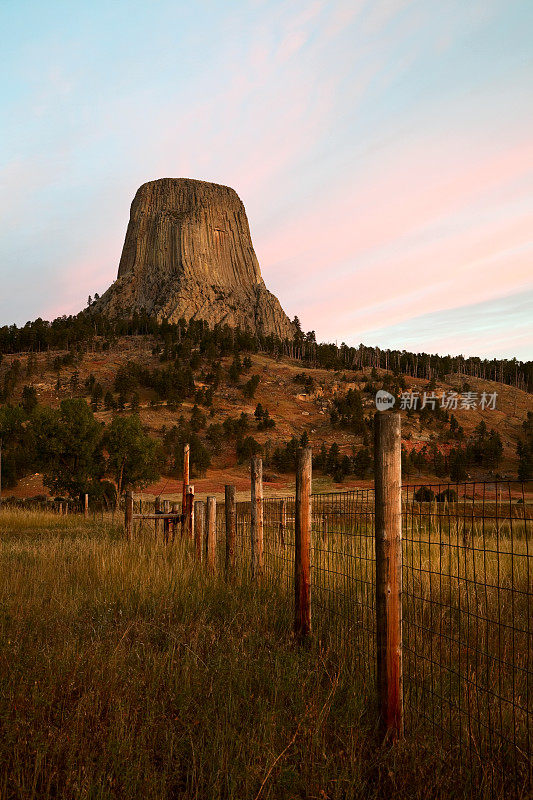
{"x":414,"y":234}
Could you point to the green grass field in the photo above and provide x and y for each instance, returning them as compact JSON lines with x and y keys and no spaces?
{"x":128,"y":672}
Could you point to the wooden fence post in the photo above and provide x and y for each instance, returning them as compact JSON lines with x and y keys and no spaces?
{"x":211,"y":532}
{"x":128,"y":515}
{"x":257,"y":515}
{"x":199,"y":525}
{"x":157,"y":510}
{"x":186,"y":453}
{"x":388,"y":541}
{"x":189,"y":511}
{"x":86,"y":505}
{"x":302,"y":549}
{"x":282,"y":522}
{"x":229,"y":496}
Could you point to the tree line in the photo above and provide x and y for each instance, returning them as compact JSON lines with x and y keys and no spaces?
{"x":86,"y":328}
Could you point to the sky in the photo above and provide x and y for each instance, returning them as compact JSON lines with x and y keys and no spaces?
{"x":383,"y":150}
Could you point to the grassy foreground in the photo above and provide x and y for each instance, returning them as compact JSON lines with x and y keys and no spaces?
{"x":127,"y":672}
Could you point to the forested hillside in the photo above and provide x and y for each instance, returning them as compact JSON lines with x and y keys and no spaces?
{"x":92,"y":406}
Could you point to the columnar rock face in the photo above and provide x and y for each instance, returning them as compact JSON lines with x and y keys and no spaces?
{"x":188,"y":254}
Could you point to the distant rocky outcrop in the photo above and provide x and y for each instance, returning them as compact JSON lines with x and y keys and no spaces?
{"x":188,"y":254}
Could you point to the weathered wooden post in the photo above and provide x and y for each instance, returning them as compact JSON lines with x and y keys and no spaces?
{"x":157,"y":509}
{"x":302,"y":545}
{"x":211,"y":532}
{"x":388,"y":542}
{"x":229,"y":508}
{"x":128,"y":515}
{"x":186,"y":453}
{"x":86,"y":505}
{"x":282,"y":522}
{"x":257,"y":515}
{"x":199,"y":525}
{"x":189,"y":511}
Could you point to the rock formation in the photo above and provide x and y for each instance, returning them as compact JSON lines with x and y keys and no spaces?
{"x":188,"y":254}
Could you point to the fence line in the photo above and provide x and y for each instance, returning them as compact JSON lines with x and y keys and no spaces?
{"x":467,"y":608}
{"x":465,"y":630}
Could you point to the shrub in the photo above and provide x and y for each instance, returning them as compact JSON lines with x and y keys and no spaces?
{"x":424,"y":495}
{"x":247,"y":448}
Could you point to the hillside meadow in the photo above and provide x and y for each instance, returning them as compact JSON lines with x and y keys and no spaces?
{"x":127,"y":671}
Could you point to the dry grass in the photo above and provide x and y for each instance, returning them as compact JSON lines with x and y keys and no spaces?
{"x":128,"y":672}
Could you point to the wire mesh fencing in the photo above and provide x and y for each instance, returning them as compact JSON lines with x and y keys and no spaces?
{"x":467,"y":640}
{"x":343,"y":573}
{"x":467,"y":634}
{"x":467,"y":603}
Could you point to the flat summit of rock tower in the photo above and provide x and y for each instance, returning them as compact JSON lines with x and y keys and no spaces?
{"x":188,"y":254}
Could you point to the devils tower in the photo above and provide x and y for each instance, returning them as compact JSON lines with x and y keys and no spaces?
{"x":188,"y":254}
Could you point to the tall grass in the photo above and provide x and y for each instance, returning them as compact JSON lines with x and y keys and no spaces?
{"x":467,"y":637}
{"x":127,"y":671}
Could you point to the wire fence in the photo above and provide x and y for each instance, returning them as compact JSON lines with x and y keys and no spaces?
{"x":467,"y":603}
{"x":467,"y":635}
{"x":467,"y":608}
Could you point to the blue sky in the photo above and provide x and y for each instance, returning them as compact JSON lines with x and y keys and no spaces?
{"x":383,"y":150}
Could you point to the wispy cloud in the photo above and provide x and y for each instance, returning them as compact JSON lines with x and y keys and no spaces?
{"x":501,"y":326}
